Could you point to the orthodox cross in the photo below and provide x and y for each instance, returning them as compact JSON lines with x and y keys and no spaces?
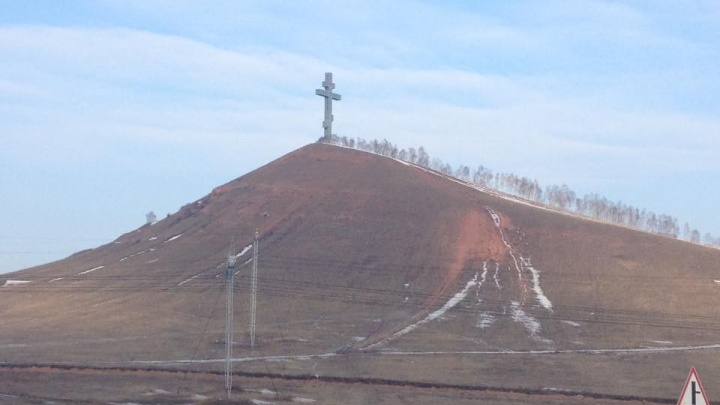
{"x":327,"y":92}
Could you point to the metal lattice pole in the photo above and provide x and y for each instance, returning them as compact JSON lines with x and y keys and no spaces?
{"x":229,"y":277}
{"x":254,"y":290}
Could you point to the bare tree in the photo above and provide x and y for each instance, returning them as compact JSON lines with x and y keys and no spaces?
{"x":561,"y":197}
{"x":423,"y":159}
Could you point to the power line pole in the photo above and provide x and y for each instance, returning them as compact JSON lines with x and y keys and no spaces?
{"x":230,"y":278}
{"x":254,"y":290}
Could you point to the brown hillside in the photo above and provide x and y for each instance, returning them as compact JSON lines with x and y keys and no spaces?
{"x":386,"y":270}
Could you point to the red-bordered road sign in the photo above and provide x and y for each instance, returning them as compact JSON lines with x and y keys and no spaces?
{"x":693,"y":392}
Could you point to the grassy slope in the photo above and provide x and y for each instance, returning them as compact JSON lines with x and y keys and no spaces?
{"x":355,"y":247}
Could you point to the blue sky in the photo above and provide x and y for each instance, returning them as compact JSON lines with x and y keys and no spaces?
{"x":111,"y":109}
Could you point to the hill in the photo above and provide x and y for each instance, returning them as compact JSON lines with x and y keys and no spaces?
{"x":371,"y":267}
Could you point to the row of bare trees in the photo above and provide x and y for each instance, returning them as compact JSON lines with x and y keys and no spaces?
{"x":560,"y":197}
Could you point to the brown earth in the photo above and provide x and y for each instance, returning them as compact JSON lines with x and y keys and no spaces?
{"x":356,"y":249}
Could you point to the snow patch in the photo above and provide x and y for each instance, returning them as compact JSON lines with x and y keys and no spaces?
{"x":303,"y":357}
{"x":571,"y":323}
{"x":522,"y":266}
{"x":556,"y":389}
{"x":531,"y":324}
{"x":190,"y":279}
{"x":263,"y":391}
{"x":435,"y":314}
{"x":485,"y":320}
{"x":9,"y":283}
{"x":539,"y":295}
{"x":521,"y":281}
{"x":303,"y":400}
{"x":153,"y":238}
{"x":55,"y":279}
{"x":158,"y":391}
{"x":242,"y":252}
{"x":554,"y":351}
{"x":454,"y":300}
{"x":497,"y":280}
{"x":260,"y":402}
{"x":173,"y":238}
{"x":401,"y":161}
{"x":483,"y":276}
{"x":245,"y":250}
{"x":91,"y":270}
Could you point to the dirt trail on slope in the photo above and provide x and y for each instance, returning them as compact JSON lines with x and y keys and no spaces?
{"x":477,"y":240}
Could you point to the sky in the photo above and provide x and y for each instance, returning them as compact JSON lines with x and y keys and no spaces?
{"x":112,"y":109}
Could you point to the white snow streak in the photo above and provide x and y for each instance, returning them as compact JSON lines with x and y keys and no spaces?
{"x":496,"y":219}
{"x":523,"y":265}
{"x":137,"y":254}
{"x":531,"y":324}
{"x":435,"y":314}
{"x":245,"y":250}
{"x":259,"y":402}
{"x":483,"y":276}
{"x":173,"y":238}
{"x":190,"y":279}
{"x":569,"y":351}
{"x":497,"y":281}
{"x":242,"y":252}
{"x":539,"y":295}
{"x":454,"y":300}
{"x":9,"y":283}
{"x":55,"y":279}
{"x":91,"y":270}
{"x":301,"y":357}
{"x":157,"y":391}
{"x":305,"y":357}
{"x":263,"y":391}
{"x":485,"y":320}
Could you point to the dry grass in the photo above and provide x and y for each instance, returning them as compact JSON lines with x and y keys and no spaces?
{"x":354,"y":248}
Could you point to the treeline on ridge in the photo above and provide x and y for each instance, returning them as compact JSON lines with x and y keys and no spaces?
{"x":558,"y":197}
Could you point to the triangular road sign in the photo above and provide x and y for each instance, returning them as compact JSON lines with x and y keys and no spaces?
{"x":693,"y":392}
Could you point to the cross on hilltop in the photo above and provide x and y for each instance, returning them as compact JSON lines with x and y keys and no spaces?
{"x":327,"y":92}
